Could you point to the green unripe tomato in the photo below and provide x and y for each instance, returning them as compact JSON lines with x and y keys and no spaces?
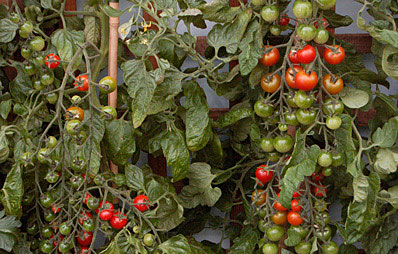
{"x":291,"y":119}
{"x":52,"y":142}
{"x":65,"y":228}
{"x":270,"y":248}
{"x":149,"y":239}
{"x":270,"y":13}
{"x":109,"y":113}
{"x":26,"y":28}
{"x":72,"y":127}
{"x":267,"y":145}
{"x":325,"y":159}
{"x":52,"y":98}
{"x":30,"y":69}
{"x":283,"y":144}
{"x":258,"y":2}
{"x":275,"y":30}
{"x":337,"y":158}
{"x":322,"y":36}
{"x":330,"y":248}
{"x":327,"y":171}
{"x":38,"y":85}
{"x":37,"y":43}
{"x":14,"y":17}
{"x":302,"y":9}
{"x":302,"y":100}
{"x":26,"y":52}
{"x":333,"y":122}
{"x":38,"y":60}
{"x":283,"y":127}
{"x":306,"y":32}
{"x":262,"y":109}
{"x":303,"y":248}
{"x":47,"y":78}
{"x":326,"y":4}
{"x":275,"y":233}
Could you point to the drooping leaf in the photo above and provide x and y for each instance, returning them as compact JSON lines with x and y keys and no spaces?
{"x":233,"y":116}
{"x":141,"y":87}
{"x":176,"y":245}
{"x":199,"y":190}
{"x":302,"y":164}
{"x":385,"y":137}
{"x":389,"y":60}
{"x":198,"y":128}
{"x":110,"y":11}
{"x":8,"y":231}
{"x":135,"y":177}
{"x":21,"y":86}
{"x":119,"y":139}
{"x":8,"y":30}
{"x":12,"y":191}
{"x":66,"y":42}
{"x":246,"y":242}
{"x":251,"y":46}
{"x":219,"y":11}
{"x":386,"y":161}
{"x":5,"y":107}
{"x":390,"y":196}
{"x":92,"y":29}
{"x":336,"y":20}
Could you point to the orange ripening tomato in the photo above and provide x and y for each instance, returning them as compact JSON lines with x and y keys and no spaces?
{"x":82,"y":85}
{"x":290,"y":76}
{"x":332,"y":87}
{"x":259,"y":197}
{"x":270,"y":58}
{"x":294,"y":218}
{"x":74,"y":113}
{"x":271,"y":84}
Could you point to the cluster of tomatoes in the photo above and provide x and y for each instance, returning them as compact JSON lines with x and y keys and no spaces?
{"x":275,"y":220}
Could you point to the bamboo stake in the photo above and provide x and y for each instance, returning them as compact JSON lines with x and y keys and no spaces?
{"x":112,"y":63}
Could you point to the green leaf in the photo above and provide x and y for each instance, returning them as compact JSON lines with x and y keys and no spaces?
{"x":176,"y":152}
{"x":390,"y":196}
{"x":135,"y":177}
{"x":345,"y":143}
{"x":386,"y":161}
{"x":12,"y":191}
{"x":5,"y":107}
{"x":199,"y":190}
{"x":354,"y":98}
{"x":21,"y":86}
{"x":251,"y":46}
{"x":389,"y":61}
{"x":119,"y":139}
{"x":140,"y":86}
{"x":230,"y":34}
{"x":335,"y":20}
{"x":255,"y":76}
{"x":176,"y":245}
{"x":219,"y":11}
{"x":246,"y":242}
{"x":110,"y":11}
{"x":92,"y":29}
{"x":8,"y":231}
{"x":198,"y":128}
{"x":385,"y":137}
{"x":8,"y":30}
{"x":347,"y":249}
{"x":293,"y":238}
{"x":46,"y":4}
{"x":66,"y":42}
{"x":22,"y":246}
{"x":302,"y":164}
{"x":233,"y":116}
{"x":360,"y":185}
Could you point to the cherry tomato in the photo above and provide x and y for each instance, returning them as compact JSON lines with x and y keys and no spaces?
{"x":283,"y":144}
{"x":293,"y":57}
{"x":88,"y":225}
{"x":26,"y":28}
{"x":270,"y":13}
{"x":26,"y":52}
{"x":106,"y":210}
{"x":270,"y":84}
{"x":46,"y":246}
{"x":333,"y":122}
{"x":263,"y":176}
{"x":51,"y":177}
{"x":302,"y":9}
{"x":37,"y":43}
{"x":303,"y":232}
{"x":296,"y":207}
{"x":148,"y":239}
{"x":38,"y":60}
{"x":333,"y":87}
{"x":118,"y":221}
{"x":78,"y":164}
{"x":93,"y":203}
{"x":324,"y":233}
{"x":290,"y":76}
{"x":267,"y":145}
{"x":275,"y":30}
{"x":52,"y":61}
{"x":325,"y":159}
{"x":109,"y":112}
{"x":291,"y":119}
{"x":334,"y":56}
{"x":283,"y":127}
{"x":306,"y":32}
{"x":46,"y":200}
{"x":330,"y":248}
{"x":52,"y":98}
{"x":84,"y":215}
{"x":47,"y":78}
{"x":326,"y":4}
{"x":49,"y":216}
{"x":278,"y":206}
{"x":324,"y":23}
{"x":47,"y":232}
{"x":84,"y":250}
{"x":322,"y":218}
{"x":270,"y":58}
{"x":82,"y":83}
{"x":258,"y":2}
{"x":294,"y":218}
{"x":273,"y":156}
{"x":317,"y":177}
{"x":259,"y":197}
{"x":306,"y":55}
{"x":303,"y":248}
{"x":263,"y":109}
{"x":30,"y":69}
{"x":32,"y":229}
{"x":296,"y":194}
{"x":65,"y":228}
{"x":302,"y":100}
{"x":65,"y":246}
{"x":55,"y":208}
{"x":283,"y":20}
{"x":290,"y":100}
{"x":279,"y":218}
{"x":322,"y":36}
{"x":84,"y":238}
{"x":306,"y":82}
{"x":270,"y":248}
{"x":327,"y":171}
{"x":332,"y":107}
{"x":74,"y":113}
{"x":107,"y":85}
{"x":73,"y":126}
{"x":337,"y":158}
{"x":319,"y":191}
{"x":275,"y":233}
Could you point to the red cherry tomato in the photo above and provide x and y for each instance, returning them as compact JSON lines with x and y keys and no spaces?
{"x":118,"y":221}
{"x":283,"y":20}
{"x":140,"y":202}
{"x":84,"y":250}
{"x":306,"y":55}
{"x":105,"y":210}
{"x":296,"y":194}
{"x":278,"y":206}
{"x":290,"y":76}
{"x":51,"y":61}
{"x":88,"y":196}
{"x":296,"y":207}
{"x":271,"y":57}
{"x":271,"y":84}
{"x":82,"y":85}
{"x":55,"y":208}
{"x":294,"y":218}
{"x":293,"y":57}
{"x":263,"y":176}
{"x":84,"y":238}
{"x":306,"y":82}
{"x":317,"y":177}
{"x":335,"y":56}
{"x":319,"y":191}
{"x":84,"y":215}
{"x":332,"y":87}
{"x":324,"y":23}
